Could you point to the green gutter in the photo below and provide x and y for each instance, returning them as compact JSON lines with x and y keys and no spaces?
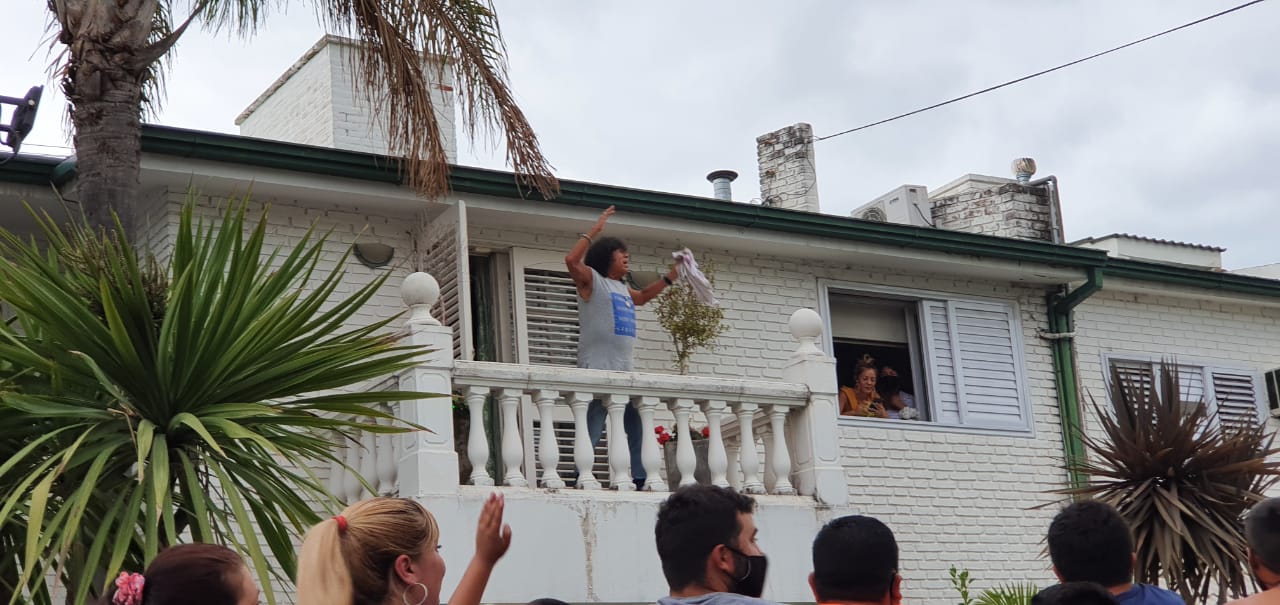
{"x":177,"y":142}
{"x":1061,"y":324}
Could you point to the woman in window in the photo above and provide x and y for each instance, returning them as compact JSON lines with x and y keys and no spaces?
{"x":898,"y":403}
{"x":862,"y":399}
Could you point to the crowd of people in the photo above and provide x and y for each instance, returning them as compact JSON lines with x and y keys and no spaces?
{"x":385,"y":551}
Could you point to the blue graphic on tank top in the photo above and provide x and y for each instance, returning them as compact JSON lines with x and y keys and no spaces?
{"x":624,"y":315}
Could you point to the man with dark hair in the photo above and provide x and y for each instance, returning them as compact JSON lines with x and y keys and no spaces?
{"x":607,"y":322}
{"x":855,"y":562}
{"x":1090,"y":542}
{"x":706,"y":539}
{"x":1262,"y":532}
{"x":1074,"y":593}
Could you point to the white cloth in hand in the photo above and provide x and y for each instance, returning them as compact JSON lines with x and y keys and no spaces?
{"x":687,"y":269}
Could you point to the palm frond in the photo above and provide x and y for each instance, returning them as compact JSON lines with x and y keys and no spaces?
{"x":1182,"y":479}
{"x":138,"y":406}
{"x":1008,"y":594}
{"x":398,"y":39}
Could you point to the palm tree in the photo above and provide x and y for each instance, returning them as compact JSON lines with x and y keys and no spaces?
{"x":142,"y":406}
{"x":114,"y":54}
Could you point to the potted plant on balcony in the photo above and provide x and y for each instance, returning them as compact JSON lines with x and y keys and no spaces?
{"x":691,"y":323}
{"x":698,"y":439}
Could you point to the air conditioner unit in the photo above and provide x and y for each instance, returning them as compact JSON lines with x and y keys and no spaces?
{"x":906,"y":205}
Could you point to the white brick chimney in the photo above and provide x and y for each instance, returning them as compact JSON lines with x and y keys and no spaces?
{"x":316,"y":102}
{"x":788,"y":177}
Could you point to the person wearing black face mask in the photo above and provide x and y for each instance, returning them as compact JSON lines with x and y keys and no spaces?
{"x":706,"y":538}
{"x":1262,"y":532}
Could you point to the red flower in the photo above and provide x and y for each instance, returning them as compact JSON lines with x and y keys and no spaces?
{"x":659,"y":429}
{"x":706,"y":431}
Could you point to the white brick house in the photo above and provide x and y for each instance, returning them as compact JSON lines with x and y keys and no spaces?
{"x":979,"y":322}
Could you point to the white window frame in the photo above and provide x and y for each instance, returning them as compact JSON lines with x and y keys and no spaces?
{"x":1207,"y":368}
{"x":924,"y":375}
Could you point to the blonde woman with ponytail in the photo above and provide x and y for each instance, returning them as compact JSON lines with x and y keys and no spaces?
{"x":385,"y":551}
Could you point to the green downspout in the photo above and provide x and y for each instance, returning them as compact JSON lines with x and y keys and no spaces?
{"x":1061,"y":324}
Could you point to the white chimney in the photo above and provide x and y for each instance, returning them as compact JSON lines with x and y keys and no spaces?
{"x":720,"y":182}
{"x":788,"y":177}
{"x":317,"y":102}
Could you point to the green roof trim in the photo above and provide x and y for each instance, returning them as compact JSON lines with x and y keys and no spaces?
{"x":202,"y":145}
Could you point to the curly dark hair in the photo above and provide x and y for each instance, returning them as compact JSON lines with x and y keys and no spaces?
{"x":600,"y":254}
{"x":691,"y":523}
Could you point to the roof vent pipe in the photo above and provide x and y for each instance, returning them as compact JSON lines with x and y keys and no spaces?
{"x":1023,"y":168}
{"x":720,"y":180}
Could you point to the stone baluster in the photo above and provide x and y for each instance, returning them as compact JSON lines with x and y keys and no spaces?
{"x":369,"y":458}
{"x":748,"y":458}
{"x":649,"y":452}
{"x":732,"y":450}
{"x":778,"y":454}
{"x":584,"y":455}
{"x":814,"y":428}
{"x":386,"y":445}
{"x":477,"y":439}
{"x":686,"y":461}
{"x":770,"y":478}
{"x":428,"y":462}
{"x":351,"y":488}
{"x":717,"y":460}
{"x":512,"y":445}
{"x":619,"y":454}
{"x":548,"y":448}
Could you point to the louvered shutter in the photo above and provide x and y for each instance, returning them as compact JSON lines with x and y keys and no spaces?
{"x":988,"y":361}
{"x":942,"y":383}
{"x":1137,"y":378}
{"x":445,"y":255}
{"x":1235,"y":396}
{"x":546,"y":309}
{"x":975,"y":364}
{"x":564,"y":442}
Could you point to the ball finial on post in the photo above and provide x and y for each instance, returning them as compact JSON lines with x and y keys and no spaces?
{"x":420,"y":292}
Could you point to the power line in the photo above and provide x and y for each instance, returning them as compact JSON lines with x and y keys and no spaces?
{"x":1041,"y":73}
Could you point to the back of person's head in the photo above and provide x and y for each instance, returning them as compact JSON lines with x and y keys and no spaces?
{"x":1262,"y":531}
{"x":600,"y":254}
{"x":855,"y":558}
{"x":1075,"y":593}
{"x":350,"y":558}
{"x":1090,"y":542}
{"x":547,"y":601}
{"x":692,"y":522}
{"x":195,"y":574}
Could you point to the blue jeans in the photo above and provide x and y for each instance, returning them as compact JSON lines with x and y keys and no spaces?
{"x":597,"y":414}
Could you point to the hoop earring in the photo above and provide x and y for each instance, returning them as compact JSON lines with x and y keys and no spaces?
{"x":404,"y":596}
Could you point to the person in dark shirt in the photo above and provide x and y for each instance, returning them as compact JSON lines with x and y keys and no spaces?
{"x":1074,"y":593}
{"x":1262,"y":532}
{"x":1090,"y":542}
{"x":855,"y":562}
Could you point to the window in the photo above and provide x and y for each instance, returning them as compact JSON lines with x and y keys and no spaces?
{"x":1232,"y":393}
{"x":959,"y":359}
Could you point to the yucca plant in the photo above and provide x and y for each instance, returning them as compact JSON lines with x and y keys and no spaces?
{"x":152,"y":407}
{"x":1182,"y":480}
{"x":1008,"y":594}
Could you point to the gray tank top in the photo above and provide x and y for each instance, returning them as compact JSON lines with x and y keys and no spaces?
{"x":606,"y":326}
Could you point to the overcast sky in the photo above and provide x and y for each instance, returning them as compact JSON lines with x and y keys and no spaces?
{"x":1176,"y":138}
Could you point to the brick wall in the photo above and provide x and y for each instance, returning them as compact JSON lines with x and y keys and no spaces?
{"x":299,"y":111}
{"x":1009,"y":210}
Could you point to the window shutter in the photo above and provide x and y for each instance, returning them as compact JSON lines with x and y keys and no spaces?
{"x":564,"y":443}
{"x":942,"y":383}
{"x":1135,"y":376}
{"x":545,"y":307}
{"x":988,"y":360}
{"x":1235,"y":397}
{"x":551,"y":317}
{"x":445,"y":255}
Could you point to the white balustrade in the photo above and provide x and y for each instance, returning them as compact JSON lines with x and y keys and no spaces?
{"x":387,"y":463}
{"x":351,"y":488}
{"x":477,"y":440}
{"x":652,"y":458}
{"x":717,"y":460}
{"x":794,"y":420}
{"x":337,"y":474}
{"x":512,"y":444}
{"x":548,"y":449}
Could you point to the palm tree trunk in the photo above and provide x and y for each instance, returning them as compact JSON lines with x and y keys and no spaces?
{"x":108,"y":140}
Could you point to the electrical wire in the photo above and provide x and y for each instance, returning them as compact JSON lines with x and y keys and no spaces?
{"x":1041,"y":73}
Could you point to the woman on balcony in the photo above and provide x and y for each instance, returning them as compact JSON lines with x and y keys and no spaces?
{"x":607,"y":322}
